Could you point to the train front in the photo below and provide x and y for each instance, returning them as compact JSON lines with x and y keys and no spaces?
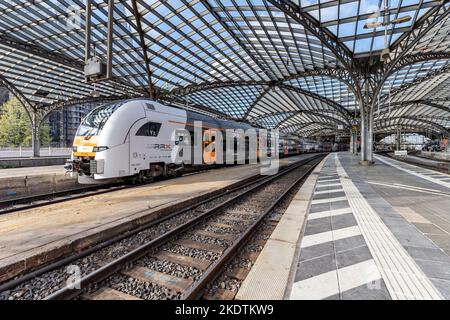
{"x":86,"y":145}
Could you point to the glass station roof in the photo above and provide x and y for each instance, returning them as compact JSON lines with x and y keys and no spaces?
{"x":347,"y":20}
{"x":278,"y":64}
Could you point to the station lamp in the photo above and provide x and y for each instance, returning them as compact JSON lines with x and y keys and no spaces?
{"x":373,"y":24}
{"x":385,"y":53}
{"x":401,"y":19}
{"x":94,"y":93}
{"x":376,"y":24}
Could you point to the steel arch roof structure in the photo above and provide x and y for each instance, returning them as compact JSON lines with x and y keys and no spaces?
{"x":282,"y":64}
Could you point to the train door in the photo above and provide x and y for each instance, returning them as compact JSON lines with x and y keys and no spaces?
{"x":209,"y":145}
{"x":263,"y":146}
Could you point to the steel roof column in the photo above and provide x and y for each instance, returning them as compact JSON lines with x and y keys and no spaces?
{"x":399,"y":139}
{"x":353,"y":139}
{"x":365,"y":106}
{"x":35,"y":125}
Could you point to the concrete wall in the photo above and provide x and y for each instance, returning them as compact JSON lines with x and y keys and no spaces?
{"x":18,"y":187}
{"x":443,"y":156}
{"x":32,"y":162}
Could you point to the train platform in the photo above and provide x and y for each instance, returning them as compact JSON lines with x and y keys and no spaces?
{"x":32,"y":237}
{"x":31,"y":171}
{"x":23,"y":162}
{"x":440,"y":165}
{"x":358,"y":232}
{"x":440,"y":156}
{"x":31,"y":181}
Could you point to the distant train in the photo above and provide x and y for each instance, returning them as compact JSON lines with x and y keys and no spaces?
{"x":137,"y":139}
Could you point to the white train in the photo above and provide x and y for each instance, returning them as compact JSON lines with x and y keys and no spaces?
{"x":137,"y":139}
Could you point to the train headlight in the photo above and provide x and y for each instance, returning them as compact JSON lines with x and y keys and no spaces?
{"x":99,"y":149}
{"x":74,"y":148}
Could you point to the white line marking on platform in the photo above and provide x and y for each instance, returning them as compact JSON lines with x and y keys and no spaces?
{"x":334,"y":282}
{"x":326,"y":177}
{"x":328,"y":191}
{"x":328,"y":200}
{"x":329,"y":213}
{"x":412,"y":188}
{"x":403,"y":277}
{"x":319,"y":287}
{"x":358,"y":274}
{"x":336,"y":180}
{"x":437,"y":181}
{"x":327,"y":236}
{"x":327,"y":185}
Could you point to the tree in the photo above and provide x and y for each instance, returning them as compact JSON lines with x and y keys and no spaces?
{"x":15,"y":126}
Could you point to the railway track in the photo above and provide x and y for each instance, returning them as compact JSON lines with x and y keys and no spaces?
{"x":418,"y":164}
{"x":177,"y":257}
{"x":13,"y":205}
{"x":18,"y":204}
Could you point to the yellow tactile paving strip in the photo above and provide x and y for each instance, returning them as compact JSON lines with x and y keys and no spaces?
{"x":403,"y":278}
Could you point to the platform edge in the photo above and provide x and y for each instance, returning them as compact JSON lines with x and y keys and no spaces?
{"x":269,"y":281}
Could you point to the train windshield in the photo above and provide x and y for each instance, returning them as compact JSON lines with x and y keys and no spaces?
{"x":93,"y":124}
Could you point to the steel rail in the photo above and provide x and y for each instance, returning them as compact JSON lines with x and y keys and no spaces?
{"x":54,"y":197}
{"x":57,"y":264}
{"x":117,"y":265}
{"x":195,"y":291}
{"x":49,"y":198}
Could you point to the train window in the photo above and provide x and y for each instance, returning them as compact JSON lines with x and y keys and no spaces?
{"x":93,"y":123}
{"x":150,"y":129}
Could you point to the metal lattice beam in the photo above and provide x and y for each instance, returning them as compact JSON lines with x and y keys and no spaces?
{"x":17,"y":93}
{"x":313,"y":26}
{"x":389,"y":130}
{"x":293,"y":112}
{"x":40,"y":52}
{"x":73,"y":102}
{"x":315,"y":132}
{"x":179,"y":102}
{"x":420,"y":57}
{"x":213,"y":85}
{"x":55,"y":57}
{"x":301,"y":126}
{"x":402,"y":104}
{"x":210,"y":46}
{"x":336,"y":73}
{"x":404,"y":87}
{"x":432,"y":18}
{"x":339,"y":108}
{"x":320,"y":115}
{"x":241,"y":44}
{"x":137,"y":16}
{"x":257,"y":100}
{"x":409,"y":118}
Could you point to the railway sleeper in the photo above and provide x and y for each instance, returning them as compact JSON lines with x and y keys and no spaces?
{"x":220,"y":294}
{"x":183,"y":260}
{"x":107,"y":293}
{"x":188,"y":243}
{"x":158,"y":278}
